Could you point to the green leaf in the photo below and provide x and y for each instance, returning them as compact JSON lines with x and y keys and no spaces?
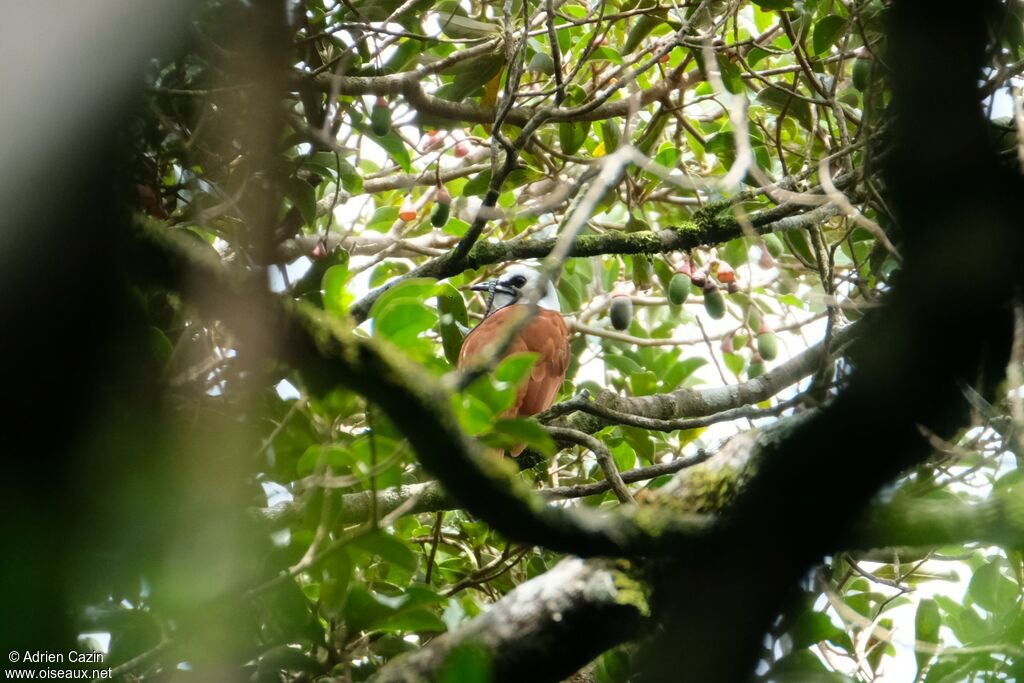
{"x":640,"y":440}
{"x":284,"y":658}
{"x":812,"y":628}
{"x":643,"y":383}
{"x":468,"y":663}
{"x":364,"y":609}
{"x":798,"y":665}
{"x":473,"y":414}
{"x":613,"y":667}
{"x":508,"y":433}
{"x":392,"y":144}
{"x":404,"y":320}
{"x":734,"y":362}
{"x":572,"y":135}
{"x":779,"y":98}
{"x":389,"y":548}
{"x":386,"y":271}
{"x":455,"y":23}
{"x":336,"y":571}
{"x":496,"y":399}
{"x":478,"y":185}
{"x":642,"y":27}
{"x":418,"y":288}
{"x":627,"y":366}
{"x":516,"y":367}
{"x":679,"y":371}
{"x":826,"y":32}
{"x":420,"y":620}
{"x":336,"y":296}
{"x":383,"y":218}
{"x":470,"y":76}
{"x":624,"y":456}
{"x":159,"y":345}
{"x":606,"y":54}
{"x":774,"y":4}
{"x":450,"y":301}
{"x":351,"y":179}
{"x":927,"y":622}
{"x":303,"y":198}
{"x":992,"y":590}
{"x":732,"y":77}
{"x":735,"y":251}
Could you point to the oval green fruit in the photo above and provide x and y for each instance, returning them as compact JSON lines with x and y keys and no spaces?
{"x":542,"y":63}
{"x":643,"y":273}
{"x":642,"y":27}
{"x":714,"y":303}
{"x":753,"y":318}
{"x":861,"y":73}
{"x":621,"y":312}
{"x":756,"y":369}
{"x":450,"y":301}
{"x":774,"y":244}
{"x":611,"y":134}
{"x":440,"y":216}
{"x":380,"y":119}
{"x":679,"y":288}
{"x":451,"y":337}
{"x":767,"y":345}
{"x":572,"y":135}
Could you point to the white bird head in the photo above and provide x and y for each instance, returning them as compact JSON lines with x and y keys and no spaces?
{"x":512,"y":286}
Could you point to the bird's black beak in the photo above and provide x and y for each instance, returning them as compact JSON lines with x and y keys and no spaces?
{"x":493,"y":286}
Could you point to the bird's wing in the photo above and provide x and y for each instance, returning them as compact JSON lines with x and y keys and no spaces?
{"x":548,"y":336}
{"x":545,"y":335}
{"x":483,"y":334}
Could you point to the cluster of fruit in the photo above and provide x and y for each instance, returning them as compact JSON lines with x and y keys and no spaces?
{"x":711,"y":279}
{"x":686,"y":277}
{"x":380,"y":124}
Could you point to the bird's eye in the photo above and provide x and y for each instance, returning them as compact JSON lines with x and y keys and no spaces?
{"x":518,"y":281}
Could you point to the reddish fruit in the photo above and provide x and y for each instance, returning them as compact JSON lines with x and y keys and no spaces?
{"x":723,"y":271}
{"x":319,"y":251}
{"x":462,"y":148}
{"x":727,"y":345}
{"x":407,"y":212}
{"x":700,"y":278}
{"x":664,"y":59}
{"x":766,"y":261}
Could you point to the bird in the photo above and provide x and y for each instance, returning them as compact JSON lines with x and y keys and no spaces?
{"x":546,"y":334}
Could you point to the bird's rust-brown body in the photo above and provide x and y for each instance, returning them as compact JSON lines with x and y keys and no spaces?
{"x":546,"y":335}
